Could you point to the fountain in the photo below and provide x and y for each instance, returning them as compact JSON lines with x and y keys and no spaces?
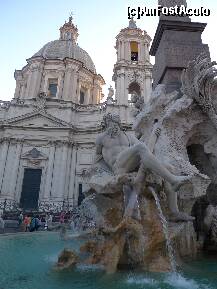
{"x":140,"y":213}
{"x":136,"y":187}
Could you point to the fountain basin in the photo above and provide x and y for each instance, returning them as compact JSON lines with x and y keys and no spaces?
{"x":27,"y":261}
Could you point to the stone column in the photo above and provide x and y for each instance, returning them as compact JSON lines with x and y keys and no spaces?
{"x":22,"y":90}
{"x":125,"y":94}
{"x":3,"y":158}
{"x":49,"y":172}
{"x":147,"y":87}
{"x":118,"y":90}
{"x":87,"y":101}
{"x":19,"y":80}
{"x":118,"y":50}
{"x":34,"y":80}
{"x":68,"y":84}
{"x":95,"y":94}
{"x":54,"y":193}
{"x":78,"y":90}
{"x":62,"y":170}
{"x":14,"y":171}
{"x":68,"y":174}
{"x":147,"y":56}
{"x":127,"y":50}
{"x":72,"y":192}
{"x":142,"y":52}
{"x":74,"y":87}
{"x":38,"y":79}
{"x":60,"y":84}
{"x":17,"y":89}
{"x":122,"y":50}
{"x":9,"y":165}
{"x":121,"y":92}
{"x":139,"y":53}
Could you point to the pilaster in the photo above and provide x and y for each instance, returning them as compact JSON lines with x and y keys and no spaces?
{"x":49,"y":172}
{"x":3,"y":158}
{"x":14,"y":171}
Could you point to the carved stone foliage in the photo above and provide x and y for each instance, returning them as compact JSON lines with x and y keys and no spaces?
{"x":134,"y":76}
{"x":199,"y":82}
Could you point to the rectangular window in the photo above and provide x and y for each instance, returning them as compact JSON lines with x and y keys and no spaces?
{"x":52,"y":87}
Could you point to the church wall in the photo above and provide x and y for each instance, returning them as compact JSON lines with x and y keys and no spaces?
{"x":67,"y":153}
{"x":59,"y":129}
{"x":71,"y":76}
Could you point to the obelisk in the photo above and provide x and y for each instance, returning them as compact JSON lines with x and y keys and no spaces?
{"x":177,"y":41}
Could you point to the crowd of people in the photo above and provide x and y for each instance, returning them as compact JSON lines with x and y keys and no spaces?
{"x":29,"y":222}
{"x":32,"y":223}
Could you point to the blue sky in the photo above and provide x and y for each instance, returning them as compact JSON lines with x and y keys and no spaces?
{"x":25,"y":26}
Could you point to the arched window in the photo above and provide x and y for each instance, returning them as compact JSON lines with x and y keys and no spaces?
{"x":133,"y":91}
{"x":134,"y":51}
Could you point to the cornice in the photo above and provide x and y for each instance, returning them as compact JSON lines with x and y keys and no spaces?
{"x":164,"y":25}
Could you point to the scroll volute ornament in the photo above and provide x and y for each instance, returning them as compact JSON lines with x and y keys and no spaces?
{"x":199,"y":82}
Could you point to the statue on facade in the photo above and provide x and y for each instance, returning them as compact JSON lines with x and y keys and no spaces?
{"x":110,"y":99}
{"x":111,"y":92}
{"x":124,"y":154}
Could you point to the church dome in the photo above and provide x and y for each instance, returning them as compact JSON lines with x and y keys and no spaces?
{"x":60,"y":49}
{"x":67,"y":46}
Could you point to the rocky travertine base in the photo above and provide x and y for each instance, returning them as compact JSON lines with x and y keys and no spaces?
{"x":137,"y":243}
{"x":66,"y":259}
{"x":184,"y":240}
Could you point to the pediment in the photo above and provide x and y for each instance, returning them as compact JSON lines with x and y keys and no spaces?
{"x":38,"y":120}
{"x":34,"y":154}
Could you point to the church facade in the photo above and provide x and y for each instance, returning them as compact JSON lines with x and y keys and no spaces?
{"x":48,"y":130}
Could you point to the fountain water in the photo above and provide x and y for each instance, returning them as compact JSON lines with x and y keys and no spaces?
{"x":165,"y":231}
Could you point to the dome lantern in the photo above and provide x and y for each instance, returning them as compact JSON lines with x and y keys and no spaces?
{"x":69,"y":31}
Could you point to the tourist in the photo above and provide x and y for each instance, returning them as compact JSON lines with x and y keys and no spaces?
{"x":46,"y":225}
{"x":20,"y":219}
{"x":26,"y":222}
{"x":29,"y":222}
{"x":48,"y":222}
{"x":35,"y":224}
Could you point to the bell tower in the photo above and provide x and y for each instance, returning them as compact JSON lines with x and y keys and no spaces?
{"x":133,"y":70}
